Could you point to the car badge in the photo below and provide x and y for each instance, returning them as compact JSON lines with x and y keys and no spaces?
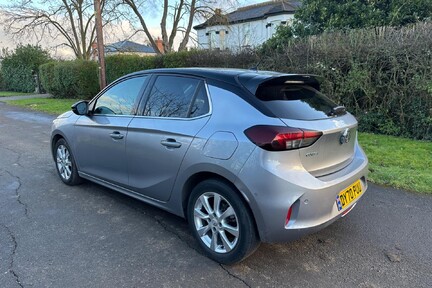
{"x":345,"y":136}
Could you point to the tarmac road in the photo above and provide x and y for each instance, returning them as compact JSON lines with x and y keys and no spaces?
{"x":52,"y":235}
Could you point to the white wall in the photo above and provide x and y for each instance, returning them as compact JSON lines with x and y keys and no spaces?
{"x":241,"y":35}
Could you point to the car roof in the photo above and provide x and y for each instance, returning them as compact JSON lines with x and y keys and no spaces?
{"x":250,"y":79}
{"x":228,"y":75}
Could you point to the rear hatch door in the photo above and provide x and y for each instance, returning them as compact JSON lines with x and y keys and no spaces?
{"x":297,"y":101}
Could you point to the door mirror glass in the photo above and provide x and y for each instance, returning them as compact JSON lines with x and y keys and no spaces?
{"x":80,"y":108}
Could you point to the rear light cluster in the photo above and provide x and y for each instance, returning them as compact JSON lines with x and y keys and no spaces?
{"x":280,"y":138}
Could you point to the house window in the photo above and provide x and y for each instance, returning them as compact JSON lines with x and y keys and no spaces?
{"x":222,"y":39}
{"x":213,"y":40}
{"x":272,"y":27}
{"x":247,"y":36}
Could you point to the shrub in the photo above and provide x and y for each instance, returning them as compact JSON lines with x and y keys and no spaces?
{"x":224,"y":59}
{"x":1,"y":81}
{"x":70,"y":79}
{"x":177,"y":59}
{"x":123,"y":64}
{"x":46,"y":75}
{"x":18,"y":68}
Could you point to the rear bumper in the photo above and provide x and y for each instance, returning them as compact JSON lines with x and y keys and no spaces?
{"x":271,"y":188}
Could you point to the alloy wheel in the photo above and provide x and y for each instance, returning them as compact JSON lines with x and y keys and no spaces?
{"x":64,"y":163}
{"x":216,"y":222}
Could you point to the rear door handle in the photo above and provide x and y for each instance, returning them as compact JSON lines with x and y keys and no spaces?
{"x":116,"y":135}
{"x":171,"y":143}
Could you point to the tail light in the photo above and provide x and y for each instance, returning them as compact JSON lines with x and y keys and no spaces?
{"x":279,"y":138}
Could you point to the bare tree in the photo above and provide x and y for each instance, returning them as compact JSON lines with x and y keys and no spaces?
{"x":69,"y":20}
{"x":177,"y":17}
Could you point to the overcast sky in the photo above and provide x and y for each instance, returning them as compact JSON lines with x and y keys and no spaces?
{"x":120,"y":32}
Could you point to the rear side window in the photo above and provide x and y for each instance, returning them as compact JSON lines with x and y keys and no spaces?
{"x":178,"y":97}
{"x":299,"y":102}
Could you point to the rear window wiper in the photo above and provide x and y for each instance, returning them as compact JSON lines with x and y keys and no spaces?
{"x":338,"y":110}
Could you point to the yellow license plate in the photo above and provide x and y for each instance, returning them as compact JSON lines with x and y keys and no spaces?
{"x":348,"y":195}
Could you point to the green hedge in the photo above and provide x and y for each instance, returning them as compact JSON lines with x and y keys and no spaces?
{"x":70,"y":79}
{"x":46,"y":75}
{"x":2,"y":87}
{"x":122,"y":64}
{"x":18,"y":78}
{"x":18,"y":67}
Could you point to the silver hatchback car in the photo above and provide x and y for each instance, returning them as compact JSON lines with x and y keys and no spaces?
{"x":245,"y":156}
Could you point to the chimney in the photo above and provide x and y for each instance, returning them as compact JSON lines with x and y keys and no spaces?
{"x":159,"y":45}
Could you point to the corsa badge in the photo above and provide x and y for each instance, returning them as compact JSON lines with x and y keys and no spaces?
{"x":345,"y":136}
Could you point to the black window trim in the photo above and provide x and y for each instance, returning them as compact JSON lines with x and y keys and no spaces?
{"x":150,"y":84}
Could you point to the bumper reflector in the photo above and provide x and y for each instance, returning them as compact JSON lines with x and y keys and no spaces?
{"x":288,"y":217}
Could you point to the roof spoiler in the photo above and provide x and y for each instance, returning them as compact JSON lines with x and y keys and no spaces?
{"x":295,"y":79}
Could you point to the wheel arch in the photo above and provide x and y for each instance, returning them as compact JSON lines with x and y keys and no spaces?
{"x":199,"y":177}
{"x":55,"y":137}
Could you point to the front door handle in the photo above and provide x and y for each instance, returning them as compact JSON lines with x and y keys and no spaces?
{"x":171,"y":143}
{"x":116,"y":135}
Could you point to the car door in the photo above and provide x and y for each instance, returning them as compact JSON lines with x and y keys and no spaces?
{"x":101,"y":135}
{"x":175,"y":111}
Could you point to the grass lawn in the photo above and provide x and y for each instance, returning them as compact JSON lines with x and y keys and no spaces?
{"x":399,"y":162}
{"x":393,"y":161}
{"x":48,"y":105}
{"x":12,"y":93}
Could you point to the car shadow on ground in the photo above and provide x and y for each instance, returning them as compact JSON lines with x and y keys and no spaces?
{"x":318,"y":243}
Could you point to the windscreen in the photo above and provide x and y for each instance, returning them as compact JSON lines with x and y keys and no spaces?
{"x":296,"y":101}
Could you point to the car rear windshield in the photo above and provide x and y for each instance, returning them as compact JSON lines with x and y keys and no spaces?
{"x":300,"y":102}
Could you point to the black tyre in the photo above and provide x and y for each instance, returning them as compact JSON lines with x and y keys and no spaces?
{"x":221,"y":222}
{"x":65,"y":163}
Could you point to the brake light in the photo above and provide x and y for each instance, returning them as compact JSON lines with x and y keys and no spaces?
{"x":279,"y":138}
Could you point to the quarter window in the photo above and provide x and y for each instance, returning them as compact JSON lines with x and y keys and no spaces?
{"x":120,"y":99}
{"x":200,"y":105}
{"x":177,"y":97}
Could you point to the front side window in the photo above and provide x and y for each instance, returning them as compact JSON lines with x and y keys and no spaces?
{"x":120,"y":99}
{"x":176,"y":97}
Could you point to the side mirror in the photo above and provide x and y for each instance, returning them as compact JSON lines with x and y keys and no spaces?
{"x":80,"y":108}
